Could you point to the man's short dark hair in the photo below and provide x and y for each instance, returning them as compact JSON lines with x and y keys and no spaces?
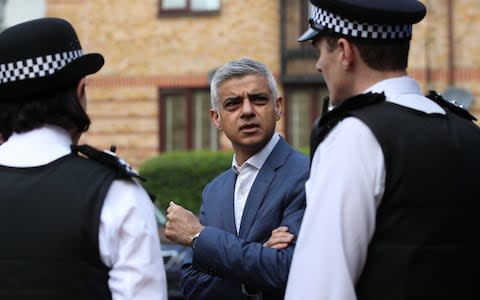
{"x":391,"y":55}
{"x":62,"y":109}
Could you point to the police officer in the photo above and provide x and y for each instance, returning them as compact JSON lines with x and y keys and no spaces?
{"x":391,"y":176}
{"x":71,"y":227}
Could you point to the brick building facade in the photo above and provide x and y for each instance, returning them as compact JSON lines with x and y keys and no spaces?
{"x":155,"y":59}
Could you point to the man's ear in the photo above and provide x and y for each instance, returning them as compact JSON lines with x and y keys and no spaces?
{"x":81,"y":95}
{"x":215,"y":117}
{"x":347,"y":52}
{"x":279,"y":108}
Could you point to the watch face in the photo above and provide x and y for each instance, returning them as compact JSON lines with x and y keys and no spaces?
{"x":194,"y":241}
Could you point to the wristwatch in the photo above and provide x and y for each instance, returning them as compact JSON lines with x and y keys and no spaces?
{"x":194,"y":239}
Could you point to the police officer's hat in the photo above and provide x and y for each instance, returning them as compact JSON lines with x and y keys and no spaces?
{"x":365,"y":19}
{"x":40,"y":57}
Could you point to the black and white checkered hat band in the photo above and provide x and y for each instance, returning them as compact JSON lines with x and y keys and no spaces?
{"x":344,"y":26}
{"x":36,"y":67}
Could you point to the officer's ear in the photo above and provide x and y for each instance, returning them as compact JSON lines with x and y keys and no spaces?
{"x":81,"y":95}
{"x":347,"y":52}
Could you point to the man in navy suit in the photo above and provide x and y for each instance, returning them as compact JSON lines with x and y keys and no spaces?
{"x":242,"y":246}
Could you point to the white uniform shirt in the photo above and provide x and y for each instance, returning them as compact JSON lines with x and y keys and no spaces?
{"x":128,"y":236}
{"x":246,"y":175}
{"x":345,"y":187}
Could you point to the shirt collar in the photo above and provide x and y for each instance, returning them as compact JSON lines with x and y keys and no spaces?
{"x":395,"y":86}
{"x":35,"y":147}
{"x":259,"y":158}
{"x":405,"y":91}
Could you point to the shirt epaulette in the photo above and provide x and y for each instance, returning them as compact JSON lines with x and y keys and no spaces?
{"x":108,"y":158}
{"x":452,"y":106}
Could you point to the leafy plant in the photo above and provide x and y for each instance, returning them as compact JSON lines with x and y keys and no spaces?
{"x":181,"y":176}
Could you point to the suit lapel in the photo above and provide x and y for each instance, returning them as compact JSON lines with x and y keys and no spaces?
{"x":261,"y":184}
{"x":226,"y":210}
{"x":255,"y":198}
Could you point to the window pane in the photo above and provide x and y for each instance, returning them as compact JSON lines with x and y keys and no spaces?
{"x":299,"y":124}
{"x":205,"y":134}
{"x":321,"y":94}
{"x":18,"y":11}
{"x":2,"y":14}
{"x":310,"y":9}
{"x":175,"y":129}
{"x":174,"y":4}
{"x":202,"y":5}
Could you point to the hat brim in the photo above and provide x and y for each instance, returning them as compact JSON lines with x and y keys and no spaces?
{"x":70,"y":74}
{"x":84,"y":65}
{"x":308,"y":35}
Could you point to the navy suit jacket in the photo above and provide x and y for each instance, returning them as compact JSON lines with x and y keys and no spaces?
{"x":222,"y":260}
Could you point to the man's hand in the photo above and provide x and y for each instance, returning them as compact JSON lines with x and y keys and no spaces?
{"x":280,"y":238}
{"x":182,"y":225}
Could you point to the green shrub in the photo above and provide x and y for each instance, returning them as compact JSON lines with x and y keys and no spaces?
{"x":181,"y":176}
{"x":305,"y":150}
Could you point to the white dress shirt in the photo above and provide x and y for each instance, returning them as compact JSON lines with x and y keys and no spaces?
{"x":246,"y":175}
{"x":345,"y":187}
{"x":128,"y":236}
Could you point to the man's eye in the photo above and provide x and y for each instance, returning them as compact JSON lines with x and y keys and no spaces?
{"x":231,"y":104}
{"x":259,"y":99}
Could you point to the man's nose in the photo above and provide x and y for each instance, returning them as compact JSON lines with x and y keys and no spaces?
{"x":247,"y":107}
{"x":317,"y":66}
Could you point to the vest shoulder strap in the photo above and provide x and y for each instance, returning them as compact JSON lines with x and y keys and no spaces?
{"x":108,"y":158}
{"x":451,"y":106}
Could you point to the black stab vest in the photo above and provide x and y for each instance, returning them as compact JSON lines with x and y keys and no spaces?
{"x":49,"y":219}
{"x":418,"y":250}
